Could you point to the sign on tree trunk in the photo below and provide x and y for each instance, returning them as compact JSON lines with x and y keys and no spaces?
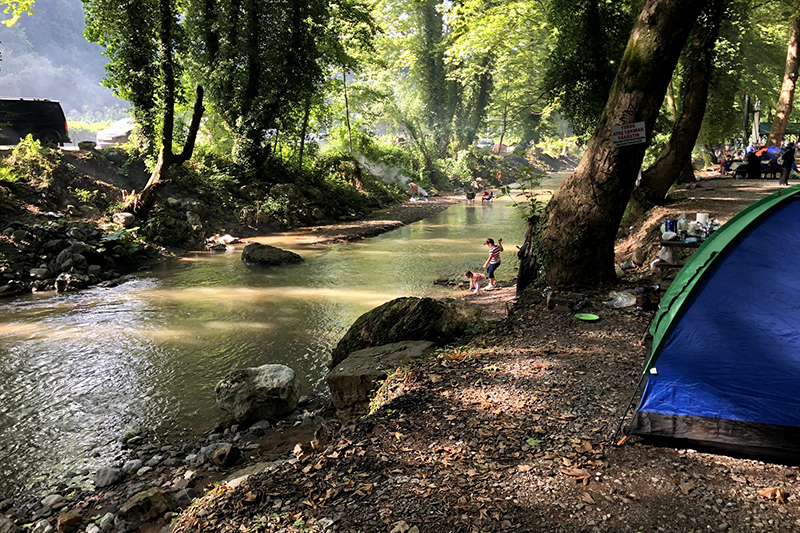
{"x":627,"y":134}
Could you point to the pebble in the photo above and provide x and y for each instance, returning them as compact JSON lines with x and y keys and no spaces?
{"x":144,"y":470}
{"x":42,"y":526}
{"x":107,"y":522}
{"x":52,"y":500}
{"x":132,"y":466}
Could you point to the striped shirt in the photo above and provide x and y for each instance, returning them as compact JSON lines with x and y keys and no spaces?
{"x":494,"y":255}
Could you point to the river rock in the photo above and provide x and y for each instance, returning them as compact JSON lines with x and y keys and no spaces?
{"x":226,"y":455}
{"x":132,"y":466}
{"x":107,"y":477}
{"x":126,"y":220}
{"x":147,"y":505}
{"x":42,"y":526}
{"x":353,"y":382}
{"x":264,"y":254}
{"x":268,"y":391}
{"x":68,"y":522}
{"x":228,"y":239}
{"x":184,"y":497}
{"x":8,"y":526}
{"x":52,"y":500}
{"x":405,"y":319}
{"x":107,"y":522}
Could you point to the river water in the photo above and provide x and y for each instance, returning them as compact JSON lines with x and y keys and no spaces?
{"x":77,"y":370}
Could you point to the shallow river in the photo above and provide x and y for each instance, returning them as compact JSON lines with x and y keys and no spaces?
{"x":78,"y":370}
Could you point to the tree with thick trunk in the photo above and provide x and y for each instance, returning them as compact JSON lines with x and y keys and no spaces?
{"x":677,"y":154}
{"x":784,"y":107}
{"x":579,"y":226}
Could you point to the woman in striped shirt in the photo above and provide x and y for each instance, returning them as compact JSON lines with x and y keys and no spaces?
{"x":493,"y":261}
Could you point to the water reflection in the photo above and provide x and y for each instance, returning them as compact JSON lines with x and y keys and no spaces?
{"x":78,"y":370}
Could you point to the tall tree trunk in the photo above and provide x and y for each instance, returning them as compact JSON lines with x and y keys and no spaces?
{"x":576,"y":239}
{"x":784,"y":107}
{"x":140,"y":204}
{"x":657,"y":180}
{"x":347,"y":110}
{"x":303,"y":130}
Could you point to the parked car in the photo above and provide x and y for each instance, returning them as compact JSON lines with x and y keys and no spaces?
{"x":43,"y":119}
{"x":499,"y":148}
{"x":117,"y":133}
{"x":484,"y":143}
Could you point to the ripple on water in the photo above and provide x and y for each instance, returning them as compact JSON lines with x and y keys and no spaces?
{"x":78,"y":370}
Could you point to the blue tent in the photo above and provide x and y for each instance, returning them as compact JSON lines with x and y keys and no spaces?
{"x":724,"y":366}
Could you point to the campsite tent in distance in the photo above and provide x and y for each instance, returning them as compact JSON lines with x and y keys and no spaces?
{"x":724,"y":367}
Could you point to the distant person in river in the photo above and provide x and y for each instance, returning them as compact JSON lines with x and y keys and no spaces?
{"x":493,"y":261}
{"x":753,"y":166}
{"x":786,"y":165}
{"x":471,"y":196}
{"x":475,"y":279}
{"x":487,"y":196}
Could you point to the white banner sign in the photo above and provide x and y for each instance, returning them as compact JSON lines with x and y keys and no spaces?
{"x":626,"y":134}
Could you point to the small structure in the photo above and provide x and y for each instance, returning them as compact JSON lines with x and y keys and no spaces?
{"x":724,"y":364}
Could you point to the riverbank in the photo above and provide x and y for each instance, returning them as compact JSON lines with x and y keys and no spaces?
{"x":513,"y":432}
{"x":517,"y":432}
{"x":373,"y":224}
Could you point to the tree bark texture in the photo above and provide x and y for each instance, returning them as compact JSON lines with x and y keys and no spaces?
{"x":581,"y":220}
{"x":784,"y":107}
{"x":658,"y":178}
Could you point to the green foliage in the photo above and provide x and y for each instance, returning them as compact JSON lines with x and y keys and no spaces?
{"x":15,"y":9}
{"x":122,"y":243}
{"x":31,"y":162}
{"x":530,"y":204}
{"x":87,"y":196}
{"x":590,"y":38}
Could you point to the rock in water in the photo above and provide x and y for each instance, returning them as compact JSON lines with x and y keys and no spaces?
{"x":408,"y":319}
{"x":249,"y":394}
{"x":263,"y":254}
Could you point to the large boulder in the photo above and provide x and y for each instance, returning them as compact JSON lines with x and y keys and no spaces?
{"x":250,"y":394}
{"x":264,"y":254}
{"x":353,"y":382}
{"x":408,"y":319}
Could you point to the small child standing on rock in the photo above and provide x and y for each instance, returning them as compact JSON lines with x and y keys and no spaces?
{"x":475,"y":279}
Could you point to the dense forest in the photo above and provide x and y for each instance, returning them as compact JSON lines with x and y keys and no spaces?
{"x":260,"y":87}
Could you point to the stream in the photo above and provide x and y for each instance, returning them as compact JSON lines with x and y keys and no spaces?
{"x":79,"y":369}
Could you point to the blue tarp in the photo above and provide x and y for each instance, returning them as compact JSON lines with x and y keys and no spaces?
{"x":734,"y":352}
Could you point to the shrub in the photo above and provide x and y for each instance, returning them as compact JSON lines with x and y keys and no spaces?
{"x":31,"y":162}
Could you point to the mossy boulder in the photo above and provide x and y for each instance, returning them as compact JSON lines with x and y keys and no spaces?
{"x":408,"y":319}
